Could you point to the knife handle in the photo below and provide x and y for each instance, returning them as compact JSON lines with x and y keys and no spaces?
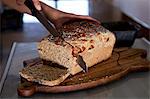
{"x":42,"y":18}
{"x":30,"y":5}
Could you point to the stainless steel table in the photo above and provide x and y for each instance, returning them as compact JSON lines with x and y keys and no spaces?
{"x":133,"y":86}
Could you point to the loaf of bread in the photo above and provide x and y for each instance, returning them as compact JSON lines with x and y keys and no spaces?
{"x":87,"y":39}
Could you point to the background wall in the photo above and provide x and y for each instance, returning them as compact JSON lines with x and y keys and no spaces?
{"x":139,"y":10}
{"x":103,"y":10}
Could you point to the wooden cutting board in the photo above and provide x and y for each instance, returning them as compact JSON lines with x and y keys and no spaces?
{"x":122,"y":62}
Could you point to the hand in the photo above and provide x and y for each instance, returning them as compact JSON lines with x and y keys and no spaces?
{"x":37,"y":4}
{"x":58,"y":18}
{"x":66,"y":17}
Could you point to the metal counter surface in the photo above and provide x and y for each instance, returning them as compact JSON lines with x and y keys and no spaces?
{"x":133,"y":86}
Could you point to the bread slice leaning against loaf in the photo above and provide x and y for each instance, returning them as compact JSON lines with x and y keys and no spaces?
{"x":87,"y":39}
{"x":44,"y":74}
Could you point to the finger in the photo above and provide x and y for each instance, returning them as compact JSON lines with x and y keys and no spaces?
{"x":90,"y":19}
{"x":82,"y":17}
{"x":19,"y":2}
{"x":37,"y":4}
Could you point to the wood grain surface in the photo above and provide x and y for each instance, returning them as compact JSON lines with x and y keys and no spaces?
{"x":122,"y":62}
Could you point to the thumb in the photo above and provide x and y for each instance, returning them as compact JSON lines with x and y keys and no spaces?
{"x":37,"y":4}
{"x":19,"y":2}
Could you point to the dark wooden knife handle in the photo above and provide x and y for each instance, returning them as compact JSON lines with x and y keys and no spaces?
{"x":30,"y":5}
{"x":40,"y":15}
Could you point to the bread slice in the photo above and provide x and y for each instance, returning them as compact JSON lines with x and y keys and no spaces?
{"x":44,"y":74}
{"x":87,"y":39}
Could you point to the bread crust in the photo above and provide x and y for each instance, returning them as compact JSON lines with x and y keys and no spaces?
{"x":59,"y":54}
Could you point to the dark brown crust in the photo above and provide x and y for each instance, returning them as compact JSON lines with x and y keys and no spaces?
{"x":76,"y":29}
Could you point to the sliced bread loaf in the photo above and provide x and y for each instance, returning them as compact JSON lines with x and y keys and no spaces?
{"x":87,"y":39}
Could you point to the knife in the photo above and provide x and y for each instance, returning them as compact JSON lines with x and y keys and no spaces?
{"x":42,"y":18}
{"x":82,"y":63}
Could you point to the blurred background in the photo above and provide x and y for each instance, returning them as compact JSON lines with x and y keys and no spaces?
{"x":19,"y":27}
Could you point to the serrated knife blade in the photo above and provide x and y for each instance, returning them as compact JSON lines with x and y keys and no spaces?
{"x":82,"y":63}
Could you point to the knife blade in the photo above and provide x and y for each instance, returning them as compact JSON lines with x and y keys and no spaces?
{"x":42,"y":18}
{"x":82,"y":63}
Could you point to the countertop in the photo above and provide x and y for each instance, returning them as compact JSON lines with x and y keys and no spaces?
{"x":135,"y":86}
